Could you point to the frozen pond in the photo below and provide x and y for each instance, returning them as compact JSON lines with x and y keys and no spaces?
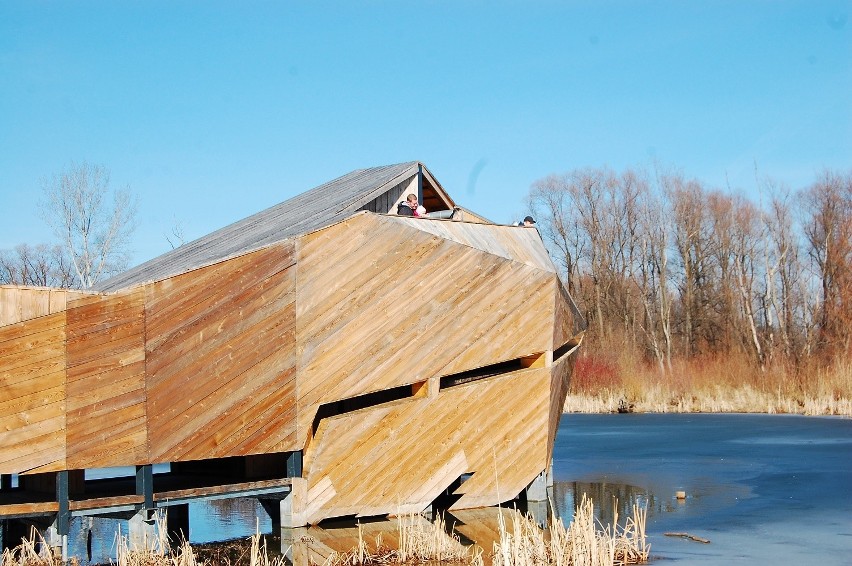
{"x":764,"y":489}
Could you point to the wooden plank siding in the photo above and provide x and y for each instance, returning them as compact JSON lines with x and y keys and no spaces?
{"x":560,"y":380}
{"x":568,"y":323}
{"x":230,"y":345}
{"x":106,"y":381}
{"x":510,"y":242}
{"x":220,"y":352}
{"x":382,"y":304}
{"x":417,"y":447}
{"x":18,"y":303}
{"x":32,"y":395}
{"x":386,"y":202}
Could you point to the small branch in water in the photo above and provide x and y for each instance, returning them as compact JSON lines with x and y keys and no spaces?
{"x":689,"y":536}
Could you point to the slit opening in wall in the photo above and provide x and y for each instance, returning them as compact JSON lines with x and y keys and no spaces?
{"x":493,"y":370}
{"x":373,"y":399}
{"x":567,"y":348}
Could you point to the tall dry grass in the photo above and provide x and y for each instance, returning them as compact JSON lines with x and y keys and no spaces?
{"x":420,"y":541}
{"x":584,"y":542}
{"x":729,"y":384}
{"x":32,"y":551}
{"x":581,"y":543}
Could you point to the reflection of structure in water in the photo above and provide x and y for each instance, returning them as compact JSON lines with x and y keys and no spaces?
{"x":463,"y":528}
{"x":568,"y":495}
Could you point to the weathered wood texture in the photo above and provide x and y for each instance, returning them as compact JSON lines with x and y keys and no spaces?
{"x":382,"y":303}
{"x":106,"y":381}
{"x":516,"y":243}
{"x":32,"y":395}
{"x":483,"y":525}
{"x":386,"y":202}
{"x":197,"y":366}
{"x":18,"y":304}
{"x":568,"y":323}
{"x":560,"y":379}
{"x":418,"y":447}
{"x":221,"y":359}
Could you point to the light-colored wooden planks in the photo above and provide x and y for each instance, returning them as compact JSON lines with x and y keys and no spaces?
{"x":517,"y":243}
{"x":20,"y":303}
{"x":416,"y":448}
{"x":483,"y":525}
{"x":221,"y":359}
{"x":560,"y":379}
{"x":106,"y":380}
{"x":32,"y":395}
{"x":567,"y":320}
{"x":235,"y":358}
{"x":381,"y":304}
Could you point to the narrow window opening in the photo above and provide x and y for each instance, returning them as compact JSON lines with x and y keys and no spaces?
{"x":566,"y":348}
{"x":368,"y":400}
{"x":492,"y":370}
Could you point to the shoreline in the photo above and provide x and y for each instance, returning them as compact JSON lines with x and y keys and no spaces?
{"x":745,"y":400}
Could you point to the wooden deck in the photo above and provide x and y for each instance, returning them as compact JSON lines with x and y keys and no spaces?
{"x":396,"y":354}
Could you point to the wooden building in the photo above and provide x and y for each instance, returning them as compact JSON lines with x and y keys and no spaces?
{"x":356,"y":361}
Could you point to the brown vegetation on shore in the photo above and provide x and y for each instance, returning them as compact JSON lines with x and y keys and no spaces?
{"x":708,"y":385}
{"x":699,"y":299}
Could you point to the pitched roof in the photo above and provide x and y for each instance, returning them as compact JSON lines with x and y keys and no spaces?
{"x":314,"y":209}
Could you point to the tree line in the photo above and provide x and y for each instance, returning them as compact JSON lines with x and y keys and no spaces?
{"x":676,"y":269}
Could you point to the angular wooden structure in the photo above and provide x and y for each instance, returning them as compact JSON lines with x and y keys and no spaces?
{"x":400,"y":357}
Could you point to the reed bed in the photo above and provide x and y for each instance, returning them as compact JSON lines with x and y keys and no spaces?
{"x":33,"y":551}
{"x":581,"y":543}
{"x":711,"y":385}
{"x":584,"y":542}
{"x":420,"y":541}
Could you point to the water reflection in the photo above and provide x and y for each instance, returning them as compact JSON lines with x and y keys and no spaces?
{"x":607,"y":497}
{"x":478,"y":529}
{"x":227,"y":519}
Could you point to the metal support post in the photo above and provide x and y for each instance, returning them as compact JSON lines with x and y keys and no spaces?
{"x":145,"y":485}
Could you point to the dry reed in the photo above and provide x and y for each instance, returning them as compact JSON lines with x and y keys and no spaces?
{"x":582,"y":543}
{"x":32,"y":551}
{"x":711,"y":385}
{"x":420,"y":541}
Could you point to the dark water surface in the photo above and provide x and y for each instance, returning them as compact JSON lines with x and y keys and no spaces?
{"x":765,"y":489}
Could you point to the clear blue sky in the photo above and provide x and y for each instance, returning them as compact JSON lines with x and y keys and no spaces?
{"x":212,"y":111}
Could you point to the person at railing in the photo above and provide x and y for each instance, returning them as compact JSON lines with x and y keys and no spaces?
{"x":408,"y":207}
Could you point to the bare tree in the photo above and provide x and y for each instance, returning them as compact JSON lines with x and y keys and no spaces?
{"x":654,"y":275}
{"x":93,"y":222}
{"x":177,"y":236}
{"x":41,"y":265}
{"x":552,"y":203}
{"x":828,"y":231}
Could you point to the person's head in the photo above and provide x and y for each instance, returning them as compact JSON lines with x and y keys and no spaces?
{"x":412,"y":198}
{"x":529,"y":221}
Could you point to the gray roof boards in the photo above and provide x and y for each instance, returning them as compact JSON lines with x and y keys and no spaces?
{"x":314,"y":209}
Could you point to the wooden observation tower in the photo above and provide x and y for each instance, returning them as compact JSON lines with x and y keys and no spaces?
{"x":325,"y":353}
